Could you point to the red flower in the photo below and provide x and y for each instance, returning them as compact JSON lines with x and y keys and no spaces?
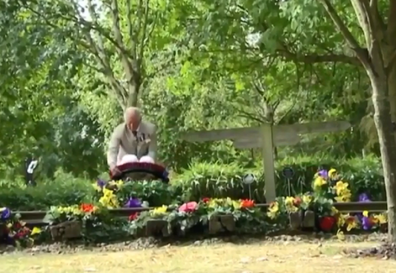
{"x":205,"y":199}
{"x":17,"y":225}
{"x":133,"y":216}
{"x":247,"y":203}
{"x":297,"y":201}
{"x":87,"y":208}
{"x":327,"y":223}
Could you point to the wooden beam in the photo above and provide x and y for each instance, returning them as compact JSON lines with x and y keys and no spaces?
{"x":283,"y":140}
{"x":313,"y":127}
{"x":256,"y":132}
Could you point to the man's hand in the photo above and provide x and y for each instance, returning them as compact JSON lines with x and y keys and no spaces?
{"x":114,"y":170}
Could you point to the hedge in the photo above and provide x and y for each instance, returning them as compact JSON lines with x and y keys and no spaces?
{"x":215,"y":180}
{"x":201,"y":180}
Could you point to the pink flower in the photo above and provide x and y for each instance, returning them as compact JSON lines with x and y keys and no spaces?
{"x":188,"y":207}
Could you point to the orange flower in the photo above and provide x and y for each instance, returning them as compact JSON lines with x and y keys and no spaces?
{"x":87,"y":208}
{"x":247,"y":203}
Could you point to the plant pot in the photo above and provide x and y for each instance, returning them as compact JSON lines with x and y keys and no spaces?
{"x":157,"y":227}
{"x":295,"y":220}
{"x":221,"y":223}
{"x":66,"y":230}
{"x":2,"y":230}
{"x":309,"y":219}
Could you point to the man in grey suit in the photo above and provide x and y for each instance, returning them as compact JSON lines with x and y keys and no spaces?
{"x":132,"y":141}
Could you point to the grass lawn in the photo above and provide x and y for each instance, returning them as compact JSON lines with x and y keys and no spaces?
{"x":228,"y":258}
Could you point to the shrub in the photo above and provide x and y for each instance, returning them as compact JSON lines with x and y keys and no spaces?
{"x":201,"y":180}
{"x":215,"y":180}
{"x":64,"y":190}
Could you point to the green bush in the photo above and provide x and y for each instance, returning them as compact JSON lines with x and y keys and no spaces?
{"x":215,"y":180}
{"x":201,"y":180}
{"x":64,"y":190}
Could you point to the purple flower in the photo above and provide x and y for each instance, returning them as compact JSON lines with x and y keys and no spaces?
{"x":323,"y":173}
{"x":366,"y":223}
{"x":133,"y":203}
{"x":5,"y":213}
{"x":101,"y":183}
{"x":364,"y":198}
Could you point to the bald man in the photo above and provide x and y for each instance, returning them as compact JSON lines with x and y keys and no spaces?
{"x":132,"y":141}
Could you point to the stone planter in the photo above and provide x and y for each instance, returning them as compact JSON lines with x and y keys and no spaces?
{"x":2,"y":230}
{"x":157,"y":227}
{"x":65,"y":231}
{"x":295,"y":220}
{"x":309,"y":219}
{"x":302,"y":219}
{"x":221,"y":223}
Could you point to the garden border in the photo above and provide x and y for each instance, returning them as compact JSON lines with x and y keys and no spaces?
{"x":37,"y":217}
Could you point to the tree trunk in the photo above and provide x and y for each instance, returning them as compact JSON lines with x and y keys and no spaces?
{"x":383,"y":122}
{"x":392,"y":91}
{"x":133,"y":94}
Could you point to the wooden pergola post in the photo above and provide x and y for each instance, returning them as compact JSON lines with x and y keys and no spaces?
{"x":267,"y":137}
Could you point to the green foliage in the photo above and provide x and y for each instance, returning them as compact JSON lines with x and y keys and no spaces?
{"x":218,"y":180}
{"x":64,"y":190}
{"x":156,"y":193}
{"x":201,"y":180}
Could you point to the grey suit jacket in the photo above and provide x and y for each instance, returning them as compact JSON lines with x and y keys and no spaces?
{"x":123,"y":142}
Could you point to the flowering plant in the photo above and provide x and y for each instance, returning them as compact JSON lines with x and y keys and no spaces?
{"x":72,"y":213}
{"x":14,"y":231}
{"x":328,"y":184}
{"x":115,"y":194}
{"x":192,"y":214}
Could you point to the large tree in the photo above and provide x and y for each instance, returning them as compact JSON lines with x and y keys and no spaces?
{"x":358,"y":34}
{"x":377,"y":54}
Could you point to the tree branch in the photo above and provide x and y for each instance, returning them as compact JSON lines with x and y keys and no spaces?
{"x":316,"y":58}
{"x":352,"y":42}
{"x":129,"y":71}
{"x":143,"y":30}
{"x":362,"y":10}
{"x":132,"y":37}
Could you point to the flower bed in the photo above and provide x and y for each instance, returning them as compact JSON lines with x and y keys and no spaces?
{"x":14,"y":231}
{"x":95,"y":223}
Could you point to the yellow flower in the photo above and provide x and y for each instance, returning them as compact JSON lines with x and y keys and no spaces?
{"x":9,"y":225}
{"x":289,"y":203}
{"x":341,"y":220}
{"x":343,"y":198}
{"x":273,"y":210}
{"x":119,"y":184}
{"x":340,"y":235}
{"x":35,"y":230}
{"x":319,"y":182}
{"x":107,"y":192}
{"x":341,"y":186}
{"x":365,"y":213}
{"x":380,"y":218}
{"x":236,"y":204}
{"x":334,"y":211}
{"x":351,"y":223}
{"x":159,"y":210}
{"x":332,"y":173}
{"x":289,"y":200}
{"x":307,"y":199}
